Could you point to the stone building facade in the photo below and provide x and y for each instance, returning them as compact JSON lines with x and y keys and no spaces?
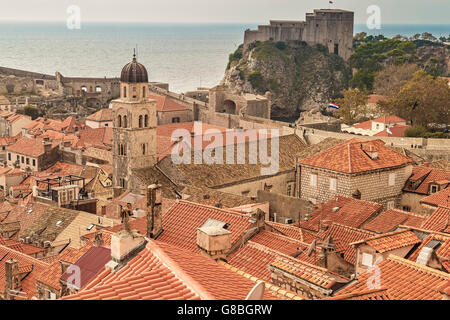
{"x":347,"y":169}
{"x":134,"y":128}
{"x":329,"y":27}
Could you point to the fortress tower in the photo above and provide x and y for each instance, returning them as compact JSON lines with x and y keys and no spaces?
{"x":332,"y":28}
{"x":134,"y":128}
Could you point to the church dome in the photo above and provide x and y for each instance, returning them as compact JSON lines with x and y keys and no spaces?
{"x":134,"y":72}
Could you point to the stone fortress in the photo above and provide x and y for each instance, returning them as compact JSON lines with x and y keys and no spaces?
{"x":332,"y":28}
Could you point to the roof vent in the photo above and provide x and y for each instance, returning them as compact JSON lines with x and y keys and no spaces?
{"x":335,"y":209}
{"x":58,"y":224}
{"x":89,"y":228}
{"x":30,"y":211}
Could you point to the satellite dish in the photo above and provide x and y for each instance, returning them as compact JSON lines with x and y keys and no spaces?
{"x":257,"y":292}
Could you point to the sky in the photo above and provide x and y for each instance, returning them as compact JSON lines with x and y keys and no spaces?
{"x":229,"y":11}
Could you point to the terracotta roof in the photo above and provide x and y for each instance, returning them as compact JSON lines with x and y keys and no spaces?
{"x":445,"y":287}
{"x":389,"y":119}
{"x":441,"y":198}
{"x":390,"y":220}
{"x":375,"y":294}
{"x":397,"y":130}
{"x":343,"y":210}
{"x":98,"y":137}
{"x":28,"y":266}
{"x":25,"y":248}
{"x":352,"y":157}
{"x":291,"y":231}
{"x":342,"y":237}
{"x":90,"y":264}
{"x":4,"y":101}
{"x":405,"y":280}
{"x":438,"y":221}
{"x":165,"y":104}
{"x":25,"y":215}
{"x":423,"y":176}
{"x":29,"y":147}
{"x":442,"y":252}
{"x":212,"y":197}
{"x":363,"y":125}
{"x":105,"y":114}
{"x":392,"y":240}
{"x":162,"y":271}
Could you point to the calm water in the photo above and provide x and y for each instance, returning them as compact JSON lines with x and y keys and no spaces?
{"x":185,"y":56}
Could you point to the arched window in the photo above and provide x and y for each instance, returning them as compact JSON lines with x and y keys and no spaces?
{"x":140,"y":121}
{"x":124,"y":92}
{"x":121,"y":150}
{"x":125,"y":124}
{"x":146,"y":121}
{"x":143,"y":92}
{"x":143,"y":149}
{"x":119,"y":121}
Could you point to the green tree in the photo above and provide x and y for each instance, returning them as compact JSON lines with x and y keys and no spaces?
{"x":423,"y":100}
{"x":389,"y":81}
{"x":353,"y":106}
{"x":31,"y":111}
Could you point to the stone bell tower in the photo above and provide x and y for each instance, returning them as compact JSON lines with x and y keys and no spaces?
{"x":134,"y":128}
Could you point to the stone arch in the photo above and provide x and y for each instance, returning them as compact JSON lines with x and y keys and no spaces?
{"x":229,"y":106}
{"x":98,"y":89}
{"x":140,"y":121}
{"x":83,"y":88}
{"x":93,"y":102}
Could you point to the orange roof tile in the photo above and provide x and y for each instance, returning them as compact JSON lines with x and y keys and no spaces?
{"x":423,"y":176}
{"x":443,"y":252}
{"x":405,"y":280}
{"x":441,"y":198}
{"x":343,"y":210}
{"x":390,"y":220}
{"x":165,"y":104}
{"x":29,"y":147}
{"x":438,"y":221}
{"x":105,"y":114}
{"x":397,"y":130}
{"x":352,"y":157}
{"x":389,"y":119}
{"x":291,"y":231}
{"x":163,"y":271}
{"x":375,"y":294}
{"x":392,"y":240}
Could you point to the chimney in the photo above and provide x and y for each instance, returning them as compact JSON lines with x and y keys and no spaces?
{"x":259,"y":216}
{"x":12,"y":280}
{"x":154,"y":212}
{"x":124,"y":246}
{"x":98,"y":240}
{"x":47,"y":146}
{"x":214,"y":241}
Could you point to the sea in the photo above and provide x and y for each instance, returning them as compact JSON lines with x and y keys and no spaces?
{"x":186,"y":56}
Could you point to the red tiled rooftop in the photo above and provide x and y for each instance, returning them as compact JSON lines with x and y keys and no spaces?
{"x":374,"y":294}
{"x":427,"y":176}
{"x":397,"y":130}
{"x":391,"y":241}
{"x":404,"y":280}
{"x":389,"y":119}
{"x":389,"y":220}
{"x":165,"y":104}
{"x":441,"y":198}
{"x":342,"y":210}
{"x":438,"y":221}
{"x":29,"y":147}
{"x":352,"y":157}
{"x":443,"y":252}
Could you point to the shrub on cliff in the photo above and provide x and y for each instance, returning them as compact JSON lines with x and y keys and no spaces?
{"x":257,"y":80}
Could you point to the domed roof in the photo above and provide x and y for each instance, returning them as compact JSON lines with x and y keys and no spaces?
{"x":134,"y":72}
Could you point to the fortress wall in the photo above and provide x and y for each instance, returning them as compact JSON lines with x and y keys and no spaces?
{"x":25,"y":74}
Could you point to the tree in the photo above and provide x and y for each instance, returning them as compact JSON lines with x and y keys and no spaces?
{"x":428,"y":36}
{"x":423,"y":100}
{"x":353,"y":106}
{"x":389,"y":81}
{"x":31,"y":111}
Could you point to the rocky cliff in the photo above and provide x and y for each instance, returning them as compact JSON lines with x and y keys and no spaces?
{"x":299,"y":77}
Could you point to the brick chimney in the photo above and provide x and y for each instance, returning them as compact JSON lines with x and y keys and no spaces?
{"x":124,"y":246}
{"x":154,"y":212}
{"x":12,"y":279}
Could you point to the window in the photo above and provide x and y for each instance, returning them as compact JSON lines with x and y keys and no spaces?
{"x":146,"y":121}
{"x":143,"y":92}
{"x":391,"y":179}
{"x":98,"y":89}
{"x":333,"y":184}
{"x":390,"y":204}
{"x":434,"y":189}
{"x":289,"y":190}
{"x":134,"y":92}
{"x":9,"y":156}
{"x":28,"y":160}
{"x":367,"y":259}
{"x":140,"y":121}
{"x":124,"y":92}
{"x":84,"y":88}
{"x":122,"y":183}
{"x":119,"y":121}
{"x":34,"y":162}
{"x":176,"y":120}
{"x":143,"y":148}
{"x":23,"y":159}
{"x":406,"y":208}
{"x":125,"y":124}
{"x":313,"y":180}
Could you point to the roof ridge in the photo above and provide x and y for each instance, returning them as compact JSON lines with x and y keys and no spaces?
{"x":416,"y":266}
{"x":286,"y":237}
{"x":43,"y":264}
{"x":278,"y":290}
{"x":173,"y":266}
{"x":353,"y":228}
{"x":210,"y":207}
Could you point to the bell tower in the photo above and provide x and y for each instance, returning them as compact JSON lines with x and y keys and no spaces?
{"x":134,"y":128}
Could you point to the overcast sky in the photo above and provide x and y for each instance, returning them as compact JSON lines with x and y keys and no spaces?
{"x":229,"y":11}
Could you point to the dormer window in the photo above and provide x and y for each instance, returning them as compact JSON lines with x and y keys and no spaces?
{"x":434,"y":188}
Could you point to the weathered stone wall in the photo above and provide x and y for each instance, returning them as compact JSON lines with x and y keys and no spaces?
{"x":168,"y":116}
{"x":373,"y":186}
{"x":330,"y":28}
{"x":285,"y":207}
